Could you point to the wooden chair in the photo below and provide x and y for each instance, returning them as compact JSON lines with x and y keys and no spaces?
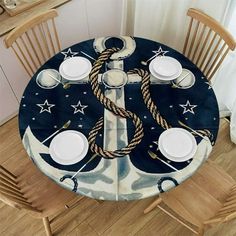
{"x":31,"y":191}
{"x":207,"y":42}
{"x":208,"y":198}
{"x":35,"y":41}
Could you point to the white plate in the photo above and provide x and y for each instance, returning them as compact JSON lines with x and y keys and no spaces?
{"x":68,"y":147}
{"x":75,"y":68}
{"x":45,"y":81}
{"x":177,"y":144}
{"x":165,"y":68}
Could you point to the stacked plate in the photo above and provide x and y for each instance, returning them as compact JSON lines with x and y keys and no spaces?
{"x":177,"y":144}
{"x":68,"y":147}
{"x":75,"y":68}
{"x":165,"y":68}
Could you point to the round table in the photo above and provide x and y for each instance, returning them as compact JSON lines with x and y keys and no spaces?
{"x":131,"y":174}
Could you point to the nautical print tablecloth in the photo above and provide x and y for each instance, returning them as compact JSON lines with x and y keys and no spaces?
{"x":134,"y":175}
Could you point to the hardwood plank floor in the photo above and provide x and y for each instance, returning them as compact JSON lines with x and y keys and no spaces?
{"x":105,"y":218}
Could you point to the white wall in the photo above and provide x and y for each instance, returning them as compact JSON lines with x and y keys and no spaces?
{"x":8,"y":102}
{"x":78,"y":20}
{"x":85,"y":19}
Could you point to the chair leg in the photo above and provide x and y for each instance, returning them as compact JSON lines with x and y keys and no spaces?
{"x":152,"y":205}
{"x":47,"y":227}
{"x":201,"y":231}
{"x":99,"y":201}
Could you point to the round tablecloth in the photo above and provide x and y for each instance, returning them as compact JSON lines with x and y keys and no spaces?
{"x":134,"y":175}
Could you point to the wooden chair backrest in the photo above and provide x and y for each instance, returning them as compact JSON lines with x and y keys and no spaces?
{"x":227,"y":211}
{"x":11,"y":193}
{"x":207,"y":42}
{"x":35,"y":41}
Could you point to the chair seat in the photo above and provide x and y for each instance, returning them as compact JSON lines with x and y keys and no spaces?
{"x":43,"y":193}
{"x":200,"y":197}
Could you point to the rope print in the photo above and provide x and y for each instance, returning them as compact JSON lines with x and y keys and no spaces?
{"x":145,"y":88}
{"x":111,"y":106}
{"x":121,"y":112}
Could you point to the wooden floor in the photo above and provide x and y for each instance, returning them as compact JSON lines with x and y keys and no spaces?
{"x":90,"y":218}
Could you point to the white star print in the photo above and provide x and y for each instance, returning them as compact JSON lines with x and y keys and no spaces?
{"x":45,"y":106}
{"x":79,"y":108}
{"x":69,"y":54}
{"x":188,"y":107}
{"x":80,"y":126}
{"x":160,"y":52}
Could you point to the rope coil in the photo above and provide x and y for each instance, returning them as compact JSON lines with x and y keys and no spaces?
{"x":123,"y":113}
{"x":145,"y":89}
{"x":116,"y":110}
